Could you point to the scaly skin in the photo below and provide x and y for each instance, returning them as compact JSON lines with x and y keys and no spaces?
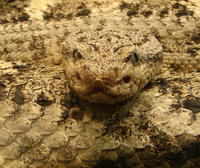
{"x":116,"y":64}
{"x":37,"y":42}
{"x":38,"y":129}
{"x":110,"y":65}
{"x":101,"y":66}
{"x":35,"y":134}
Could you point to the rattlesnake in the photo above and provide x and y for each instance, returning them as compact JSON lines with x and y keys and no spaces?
{"x":115,"y":64}
{"x":110,"y":65}
{"x":42,"y":127}
{"x":102,"y":65}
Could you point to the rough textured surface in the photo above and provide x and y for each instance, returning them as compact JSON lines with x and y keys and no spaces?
{"x":102,"y":66}
{"x":157,"y":128}
{"x":94,"y":77}
{"x":32,"y":42}
{"x":110,"y":65}
{"x":41,"y":126}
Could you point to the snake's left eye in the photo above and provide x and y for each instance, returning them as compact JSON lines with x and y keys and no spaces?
{"x":133,"y":57}
{"x":77,"y":54}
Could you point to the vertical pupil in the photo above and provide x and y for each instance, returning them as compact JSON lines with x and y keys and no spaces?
{"x":74,"y":52}
{"x":136,"y":56}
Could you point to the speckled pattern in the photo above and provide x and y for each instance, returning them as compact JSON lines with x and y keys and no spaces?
{"x":110,"y":65}
{"x":43,"y":125}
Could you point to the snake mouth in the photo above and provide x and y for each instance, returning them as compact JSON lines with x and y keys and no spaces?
{"x":105,"y":85}
{"x":100,"y":91}
{"x":96,"y":86}
{"x":109,"y":88}
{"x":104,"y":98}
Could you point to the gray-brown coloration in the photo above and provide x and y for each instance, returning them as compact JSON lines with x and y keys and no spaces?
{"x":110,"y":65}
{"x":32,"y":42}
{"x":41,"y":126}
{"x":104,"y":65}
{"x":41,"y":131}
{"x":115,"y":65}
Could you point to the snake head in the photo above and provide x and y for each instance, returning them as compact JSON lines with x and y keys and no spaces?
{"x":111,"y":65}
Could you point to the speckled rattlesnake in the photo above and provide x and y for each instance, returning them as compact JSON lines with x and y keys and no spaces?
{"x":102,"y":66}
{"x":42,"y":126}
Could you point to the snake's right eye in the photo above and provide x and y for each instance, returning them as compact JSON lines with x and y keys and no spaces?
{"x":77,"y":55}
{"x":133,"y":57}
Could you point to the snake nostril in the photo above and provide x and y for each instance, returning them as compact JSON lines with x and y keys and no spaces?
{"x":126,"y":79}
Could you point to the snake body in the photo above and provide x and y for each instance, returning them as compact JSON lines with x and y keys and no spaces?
{"x":41,"y":127}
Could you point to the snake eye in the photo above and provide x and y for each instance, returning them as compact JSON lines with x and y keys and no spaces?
{"x":133,"y":57}
{"x":77,"y":54}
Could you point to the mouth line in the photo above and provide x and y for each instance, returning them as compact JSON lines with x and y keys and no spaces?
{"x":103,"y":93}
